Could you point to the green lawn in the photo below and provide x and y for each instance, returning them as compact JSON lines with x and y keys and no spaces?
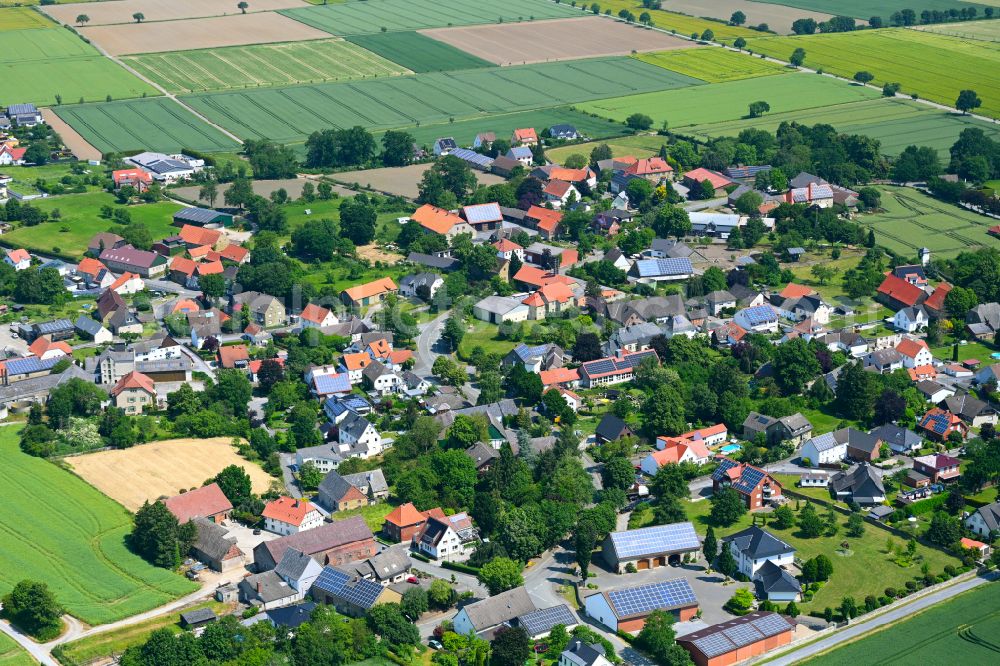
{"x":262,"y":65}
{"x":721,"y":102}
{"x":374,"y":514}
{"x":977,"y":350}
{"x":80,"y":220}
{"x":486,"y":336}
{"x":962,"y":630}
{"x":417,"y":52}
{"x":912,"y":219}
{"x":933,"y":66}
{"x":821,"y":421}
{"x":22,"y":18}
{"x":712,"y":64}
{"x":58,"y":529}
{"x":12,"y":654}
{"x":643,"y":145}
{"x":868,"y":570}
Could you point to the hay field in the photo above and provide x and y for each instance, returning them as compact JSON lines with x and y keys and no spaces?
{"x":933,"y":66}
{"x":712,"y":64}
{"x":261,"y":65}
{"x":777,"y":17}
{"x":985,"y":31}
{"x":199,"y":33}
{"x":863,"y":9}
{"x":107,"y":13}
{"x":291,"y":114}
{"x":682,"y":24}
{"x":56,"y":528}
{"x":70,"y":138}
{"x":564,"y":39}
{"x":22,"y":18}
{"x":372,"y":16}
{"x":158,"y":469}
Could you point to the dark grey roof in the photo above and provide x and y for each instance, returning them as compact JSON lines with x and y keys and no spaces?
{"x":990,"y":515}
{"x":582,"y":654}
{"x":333,"y":487}
{"x":268,"y":586}
{"x":354,"y":425}
{"x":611,"y":427}
{"x":758,"y":422}
{"x":419,"y":279}
{"x":293,"y":564}
{"x":796,"y":423}
{"x":370,"y":482}
{"x":858,"y":439}
{"x":212,"y":538}
{"x":727,"y":637}
{"x":88,"y":325}
{"x":482,"y":454}
{"x":968,"y":407}
{"x":390,"y":563}
{"x":756,"y":543}
{"x":775,"y":579}
{"x":500,"y":608}
{"x":541,"y":621}
{"x":860,"y":482}
{"x":291,"y":617}
{"x":198,"y":616}
{"x":199,"y":215}
{"x":443,"y":263}
{"x":897,"y":437}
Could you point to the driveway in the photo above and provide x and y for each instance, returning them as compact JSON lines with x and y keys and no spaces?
{"x":291,"y":485}
{"x":9,"y":342}
{"x":428,"y":343}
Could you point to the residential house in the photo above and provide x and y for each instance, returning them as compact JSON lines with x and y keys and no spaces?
{"x":487,"y":614}
{"x":914,"y":274}
{"x":124,"y":322}
{"x":860,"y":484}
{"x":521,"y":155}
{"x":12,"y":156}
{"x":613,"y":369}
{"x":696,"y":177}
{"x":92,"y":329}
{"x":939,"y":424}
{"x":985,"y":521}
{"x":563,"y":131}
{"x":500,"y":310}
{"x":636,"y":337}
{"x":756,"y":487}
{"x":44,"y":348}
{"x":939,"y":468}
{"x":234,"y":356}
{"x":973,"y":411}
{"x":421,"y":285}
{"x":135,"y":178}
{"x":267,"y":590}
{"x":897,"y":294}
{"x":19,"y":259}
{"x":448,"y":539}
{"x":507,"y":248}
{"x":579,"y":653}
{"x":215,"y":547}
{"x":650,"y":547}
{"x":405,"y":520}
{"x":167,"y":168}
{"x":611,"y":428}
{"x":559,"y":193}
{"x":759,"y":319}
{"x":261,"y":309}
{"x":884,"y":361}
{"x":899,"y":439}
{"x":544,"y":220}
{"x":910,"y":319}
{"x":825,"y":450}
{"x":754,"y":549}
{"x":983,"y":321}
{"x":359,"y":438}
{"x":440,"y":221}
{"x":484,"y":139}
{"x":524,"y":137}
{"x":379,"y":379}
{"x":444,"y":146}
{"x":534,"y":359}
{"x":718,"y":301}
{"x":129,"y":259}
{"x":287,"y":515}
{"x":133,"y":393}
{"x":793,"y":429}
{"x":369,"y":293}
{"x":550,"y":299}
{"x":316,"y":316}
{"x":206,"y":502}
{"x":626,"y":609}
{"x":738,"y":639}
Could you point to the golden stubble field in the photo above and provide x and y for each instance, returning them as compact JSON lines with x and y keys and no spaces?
{"x":149,"y":471}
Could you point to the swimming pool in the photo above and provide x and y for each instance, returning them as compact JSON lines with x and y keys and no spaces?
{"x":730,"y":448}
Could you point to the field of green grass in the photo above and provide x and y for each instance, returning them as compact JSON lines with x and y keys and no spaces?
{"x":374,"y":514}
{"x":961,"y":630}
{"x":40,"y":63}
{"x":58,"y":529}
{"x":863,"y":10}
{"x":642,"y":145}
{"x":867,"y":570}
{"x":12,"y":654}
{"x":262,"y":65}
{"x":417,"y":52}
{"x":933,"y":66}
{"x":719,"y":102}
{"x":912,"y":220}
{"x":150,"y":124}
{"x":80,"y":216}
{"x":712,"y":65}
{"x":681,"y":24}
{"x":360,"y":18}
{"x":486,"y":336}
{"x":22,"y":18}
{"x":978,"y":350}
{"x":985,"y":31}
{"x":291,"y":114}
{"x":896,"y":122}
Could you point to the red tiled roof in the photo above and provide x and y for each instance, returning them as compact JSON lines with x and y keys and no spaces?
{"x":314,"y":313}
{"x":358,"y":361}
{"x":200,"y":252}
{"x":701,"y":175}
{"x":131,"y":176}
{"x":406,"y":515}
{"x":435,"y":219}
{"x":228,"y":356}
{"x":936,"y":300}
{"x":236,"y":253}
{"x":559,"y":376}
{"x":90,"y":266}
{"x":793,"y":290}
{"x":557,"y":188}
{"x":287,"y":510}
{"x":546,"y":219}
{"x":506,"y":245}
{"x":18,"y":255}
{"x":569,"y":175}
{"x":199,"y":235}
{"x":537,"y":277}
{"x":125,"y":277}
{"x":526,"y":134}
{"x":183,"y":265}
{"x":900,"y":290}
{"x":206,"y":501}
{"x":44,"y":344}
{"x":370,"y":289}
{"x":648,"y":166}
{"x":211,"y":268}
{"x":254,"y":365}
{"x":910,"y":347}
{"x":134,"y":380}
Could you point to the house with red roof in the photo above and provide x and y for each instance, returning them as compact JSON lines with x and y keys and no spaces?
{"x":935,"y":302}
{"x":10,"y":156}
{"x":696,"y":177}
{"x":287,"y":515}
{"x":559,"y":193}
{"x":755,"y":486}
{"x":235,"y":253}
{"x":896,"y":293}
{"x":206,"y":502}
{"x":137,"y":178}
{"x":525,"y":136}
{"x":559,"y":377}
{"x":549,"y":299}
{"x":440,"y":221}
{"x":533,"y":277}
{"x":654,"y":169}
{"x":506,"y":248}
{"x":544,"y":220}
{"x":134,"y":392}
{"x":200,"y":236}
{"x":938,"y":424}
{"x":405,"y":520}
{"x":915,"y":353}
{"x":19,"y":259}
{"x":128,"y":283}
{"x":316,"y":316}
{"x":234,"y":356}
{"x":44,"y":348}
{"x":675,"y":451}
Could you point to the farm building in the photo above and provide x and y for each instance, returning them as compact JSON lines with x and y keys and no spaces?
{"x":331,"y":543}
{"x":201,"y":217}
{"x":738,"y":639}
{"x":351,"y":595}
{"x":626,"y":608}
{"x":650,"y":547}
{"x":205,"y":502}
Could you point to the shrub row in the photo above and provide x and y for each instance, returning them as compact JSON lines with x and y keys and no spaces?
{"x":458,"y":566}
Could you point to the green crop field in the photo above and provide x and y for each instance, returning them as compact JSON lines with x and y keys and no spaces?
{"x":12,"y":654}
{"x":58,"y":529}
{"x":22,"y":18}
{"x":642,"y":145}
{"x":713,"y":65}
{"x":864,"y":9}
{"x":360,"y":18}
{"x":962,"y":630}
{"x":151,"y":124}
{"x":896,"y":122}
{"x":41,"y":63}
{"x":291,"y":114}
{"x":682,"y":24}
{"x":261,"y":65}
{"x":718,"y":102}
{"x":933,"y":66}
{"x":986,"y":31}
{"x":912,"y":220}
{"x":80,"y":220}
{"x":417,"y":52}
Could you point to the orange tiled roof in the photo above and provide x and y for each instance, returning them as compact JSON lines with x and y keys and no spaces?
{"x":90,"y":266}
{"x":936,"y":300}
{"x":650,"y":166}
{"x":506,"y":245}
{"x":525,"y":134}
{"x":370,"y":289}
{"x":184,"y":304}
{"x":900,"y":290}
{"x":701,"y":175}
{"x":547,"y":220}
{"x":435,"y":219}
{"x":559,"y":376}
{"x":314,"y":313}
{"x":288,"y":510}
{"x":793,"y":290}
{"x":400,"y":356}
{"x":18,"y":255}
{"x":200,"y":252}
{"x":910,"y":347}
{"x":234,"y":252}
{"x":211,"y":268}
{"x":183,"y":265}
{"x":135,"y":380}
{"x":922,"y":372}
{"x":358,"y":361}
{"x":228,"y":356}
{"x":199,"y":235}
{"x":406,"y":515}
{"x":557,"y":188}
{"x":537,"y":277}
{"x":569,"y":175}
{"x":44,"y":344}
{"x":125,"y":277}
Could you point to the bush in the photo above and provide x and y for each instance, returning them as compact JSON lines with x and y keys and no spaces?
{"x":950,"y":571}
{"x":458,"y":566}
{"x":911,"y":586}
{"x":891,"y":592}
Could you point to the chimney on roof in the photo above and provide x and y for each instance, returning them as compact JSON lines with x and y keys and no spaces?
{"x":258,"y":587}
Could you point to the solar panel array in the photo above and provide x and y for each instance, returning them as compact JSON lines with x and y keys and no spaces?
{"x":19,"y":366}
{"x":363,"y":593}
{"x":669,"y":594}
{"x":54,"y":326}
{"x":824,"y":442}
{"x":488,"y":212}
{"x":202,"y":215}
{"x":677,"y":537}
{"x":724,"y":466}
{"x":657,"y":267}
{"x":771,"y":625}
{"x":760,"y":314}
{"x":540,"y":621}
{"x":331,"y":580}
{"x":735,"y":634}
{"x":749,"y":479}
{"x":338,"y":383}
{"x":603,"y":366}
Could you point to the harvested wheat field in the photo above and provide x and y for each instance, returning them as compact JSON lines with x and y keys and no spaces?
{"x":121,"y":11}
{"x":70,"y":138}
{"x":560,"y":39}
{"x":158,"y":469}
{"x":199,"y":33}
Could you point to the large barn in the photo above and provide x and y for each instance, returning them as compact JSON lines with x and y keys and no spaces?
{"x":627,"y":608}
{"x":739,"y":639}
{"x":650,"y":547}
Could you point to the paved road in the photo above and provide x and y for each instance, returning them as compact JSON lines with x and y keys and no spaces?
{"x":427,"y":342}
{"x":863,"y":626}
{"x":692,"y":206}
{"x":39,"y":652}
{"x":291,"y":485}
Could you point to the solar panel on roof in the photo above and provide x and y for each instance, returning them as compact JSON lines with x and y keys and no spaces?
{"x":658,"y":539}
{"x":540,"y":621}
{"x":742,"y":634}
{"x":715,"y":644}
{"x":657,"y":596}
{"x":749,"y":479}
{"x":331,"y":580}
{"x":771,"y":625}
{"x":363,"y":593}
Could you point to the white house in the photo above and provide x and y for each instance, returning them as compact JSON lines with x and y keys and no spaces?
{"x":985,"y":521}
{"x":579,"y":653}
{"x":298,"y":570}
{"x":380,"y":379}
{"x":710,"y":436}
{"x":19,"y":259}
{"x":315,"y":316}
{"x":287,"y":515}
{"x":759,"y":319}
{"x":446,"y":538}
{"x":559,"y":193}
{"x":325,"y":457}
{"x":752,"y":547}
{"x":444,"y":146}
{"x":357,"y":434}
{"x":915,"y":353}
{"x":573,"y":400}
{"x":128,"y":283}
{"x":824,"y":450}
{"x":492,"y":611}
{"x":910,"y":319}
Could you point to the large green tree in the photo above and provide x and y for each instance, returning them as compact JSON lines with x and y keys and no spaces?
{"x":500,"y":574}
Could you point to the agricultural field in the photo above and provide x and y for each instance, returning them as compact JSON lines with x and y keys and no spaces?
{"x":80,"y":220}
{"x":291,"y":114}
{"x":418,"y":53}
{"x":199,"y":33}
{"x":564,"y":39}
{"x":58,"y":529}
{"x":106,"y":13}
{"x":896,"y":122}
{"x":150,"y":124}
{"x":933,"y":66}
{"x":361,"y":18}
{"x":865,"y":569}
{"x":12,"y":654}
{"x":912,"y":220}
{"x":22,"y":18}
{"x":402,"y":181}
{"x":643,"y":145}
{"x":777,"y":17}
{"x":712,"y":64}
{"x":985,"y":31}
{"x":863,"y":9}
{"x":961,"y":630}
{"x":719,"y":102}
{"x":682,"y":24}
{"x":42,"y":44}
{"x":261,"y":66}
{"x":162,"y":469}
{"x":71,"y":139}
